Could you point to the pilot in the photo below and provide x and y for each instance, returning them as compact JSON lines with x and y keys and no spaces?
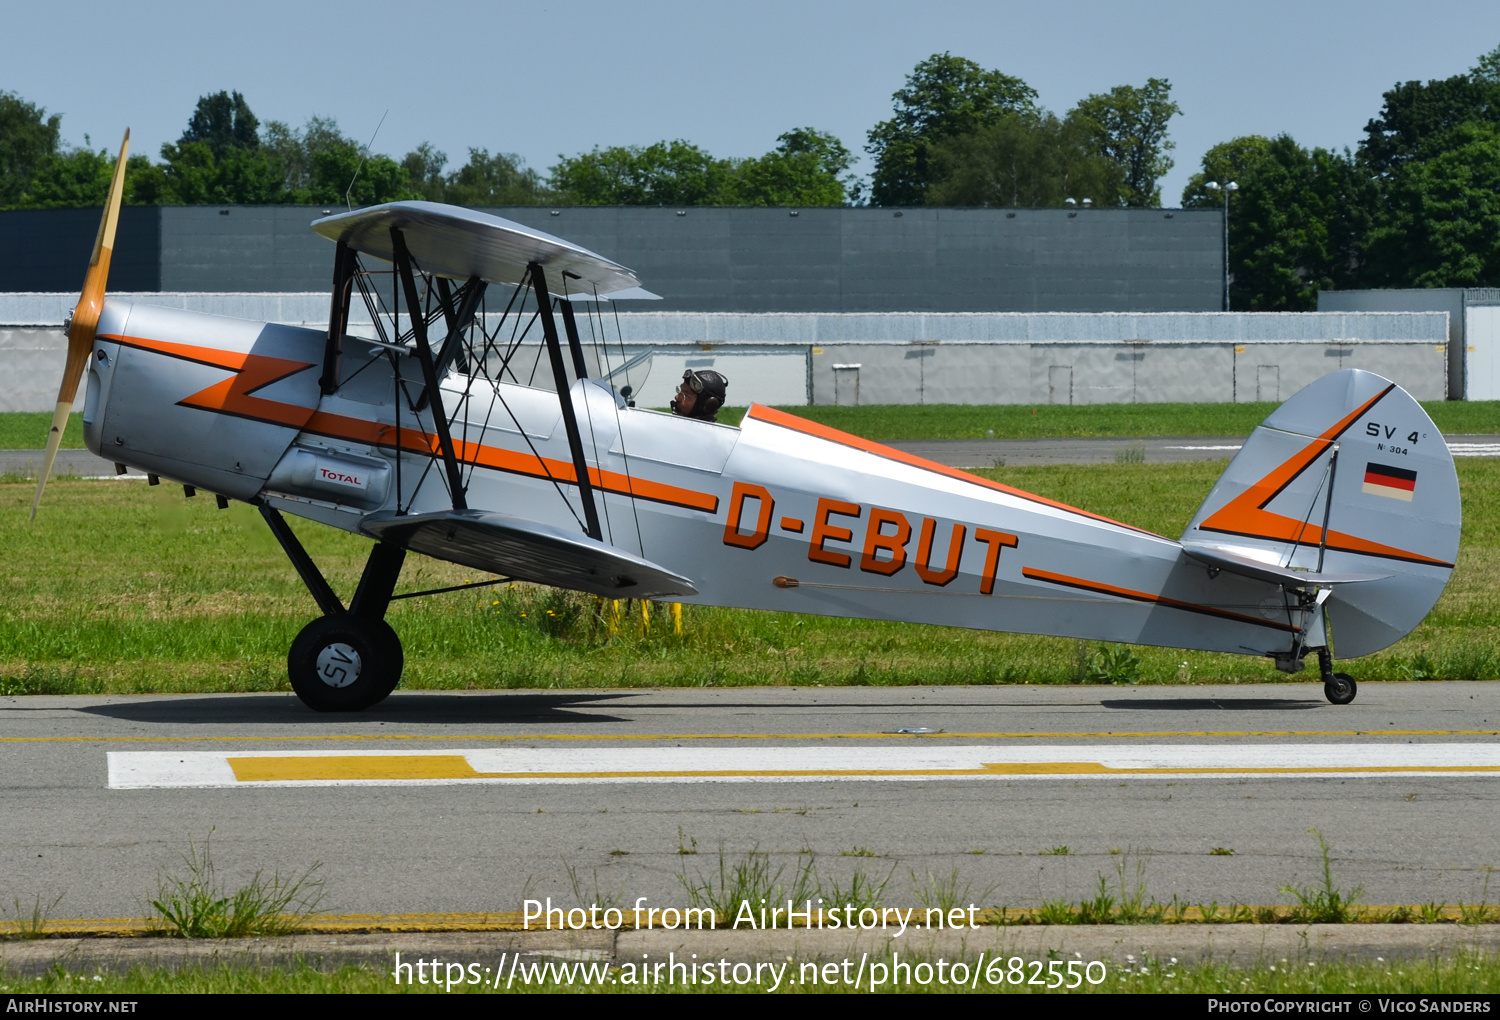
{"x":700,"y":395}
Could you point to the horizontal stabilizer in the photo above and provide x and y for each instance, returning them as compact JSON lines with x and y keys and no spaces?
{"x":529,"y":551}
{"x":1246,"y":567}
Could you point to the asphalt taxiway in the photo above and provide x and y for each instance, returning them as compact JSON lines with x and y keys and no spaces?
{"x":437,"y":803}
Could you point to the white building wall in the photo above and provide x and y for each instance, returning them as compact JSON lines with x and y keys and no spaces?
{"x":902,"y":358}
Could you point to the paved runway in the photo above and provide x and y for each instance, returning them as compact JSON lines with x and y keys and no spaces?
{"x":462,"y":802}
{"x":963,"y":453}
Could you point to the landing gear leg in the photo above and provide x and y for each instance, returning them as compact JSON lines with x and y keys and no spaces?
{"x":1338,"y":688}
{"x":345,"y":660}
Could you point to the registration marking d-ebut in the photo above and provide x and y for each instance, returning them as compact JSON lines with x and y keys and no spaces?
{"x":136,"y":770}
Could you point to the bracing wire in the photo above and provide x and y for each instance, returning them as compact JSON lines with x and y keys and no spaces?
{"x":640,"y":539}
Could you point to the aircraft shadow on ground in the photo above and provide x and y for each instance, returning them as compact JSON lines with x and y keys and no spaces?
{"x":403,"y":707}
{"x":1223,"y":704}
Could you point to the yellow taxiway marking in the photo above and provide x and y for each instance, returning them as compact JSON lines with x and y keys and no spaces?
{"x":512,"y":737}
{"x":297,"y":768}
{"x":788,"y":763}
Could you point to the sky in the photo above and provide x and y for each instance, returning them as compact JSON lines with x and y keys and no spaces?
{"x":542,"y":78}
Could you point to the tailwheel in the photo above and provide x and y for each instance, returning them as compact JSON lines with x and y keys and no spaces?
{"x":1339,"y":688}
{"x":344,"y":663}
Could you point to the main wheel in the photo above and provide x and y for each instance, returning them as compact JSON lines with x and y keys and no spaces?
{"x":344,"y":663}
{"x":1340,"y":688}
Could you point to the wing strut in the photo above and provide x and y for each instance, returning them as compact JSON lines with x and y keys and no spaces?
{"x":457,"y":322}
{"x":344,"y":264}
{"x":570,"y":420}
{"x":574,"y":344}
{"x":418,"y":319}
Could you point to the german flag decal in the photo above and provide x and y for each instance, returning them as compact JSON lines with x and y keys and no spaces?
{"x":1385,"y":480}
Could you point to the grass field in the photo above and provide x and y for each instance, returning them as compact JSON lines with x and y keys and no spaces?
{"x":1053,"y":421}
{"x":24,"y":431}
{"x":119,"y":587}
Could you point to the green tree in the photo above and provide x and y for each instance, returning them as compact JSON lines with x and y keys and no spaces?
{"x":80,"y":178}
{"x":1488,"y":67}
{"x":424,"y":168}
{"x":1440,"y":222}
{"x":28,"y":139}
{"x":501,"y":179}
{"x":349,"y":172}
{"x":294,"y":149}
{"x":1297,"y":224}
{"x":193,"y":176}
{"x":224,"y":121}
{"x":1235,"y":160}
{"x":666,"y":173}
{"x":1030,"y":160}
{"x":1416,"y":117}
{"x":944,"y":96}
{"x":807,"y":167}
{"x":1131,"y":129}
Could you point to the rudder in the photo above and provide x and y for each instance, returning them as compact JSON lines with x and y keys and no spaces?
{"x":1394,"y":514}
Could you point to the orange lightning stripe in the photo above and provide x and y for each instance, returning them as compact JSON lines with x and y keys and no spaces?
{"x":235,"y":396}
{"x":1247,"y":515}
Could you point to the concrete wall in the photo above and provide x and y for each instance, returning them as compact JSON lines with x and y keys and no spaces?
{"x":911,"y":358}
{"x":703,"y":259}
{"x":1430,"y":299}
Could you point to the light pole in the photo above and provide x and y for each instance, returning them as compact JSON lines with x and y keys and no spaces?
{"x":1231,"y":186}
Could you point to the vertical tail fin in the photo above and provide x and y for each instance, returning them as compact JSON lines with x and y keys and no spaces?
{"x":1349,"y":476}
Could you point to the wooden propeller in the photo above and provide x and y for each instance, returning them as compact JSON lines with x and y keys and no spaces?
{"x":85,"y":319}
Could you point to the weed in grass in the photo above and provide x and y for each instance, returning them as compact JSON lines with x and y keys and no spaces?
{"x":861,"y":892}
{"x":1100,"y":909}
{"x":603,"y":898}
{"x":1056,"y":912}
{"x":1418,"y":667}
{"x":197,"y":906}
{"x":1117,"y":665}
{"x":751,"y":879}
{"x":31,"y":922}
{"x":945,"y":892}
{"x":1325,"y":903}
{"x":1481,"y":912}
{"x":1134,"y":906}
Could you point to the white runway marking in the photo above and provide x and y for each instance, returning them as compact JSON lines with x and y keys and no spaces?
{"x":1474,"y":449}
{"x":135,"y":770}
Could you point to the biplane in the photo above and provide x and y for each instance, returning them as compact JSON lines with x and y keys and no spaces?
{"x":1336,"y":525}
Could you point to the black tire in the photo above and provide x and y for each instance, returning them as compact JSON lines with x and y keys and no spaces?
{"x":1340,"y":689}
{"x":344,"y":663}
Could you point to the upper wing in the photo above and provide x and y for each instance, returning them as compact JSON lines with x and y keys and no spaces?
{"x":460,"y":243}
